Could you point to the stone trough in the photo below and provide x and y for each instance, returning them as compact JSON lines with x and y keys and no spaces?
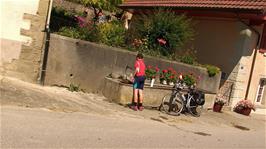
{"x":115,"y":90}
{"x":122,"y":93}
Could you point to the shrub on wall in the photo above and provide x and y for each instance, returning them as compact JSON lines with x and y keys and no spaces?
{"x":111,"y":33}
{"x":61,"y":18}
{"x":187,"y":59}
{"x":79,"y":33}
{"x":212,"y":70}
{"x":164,"y":30}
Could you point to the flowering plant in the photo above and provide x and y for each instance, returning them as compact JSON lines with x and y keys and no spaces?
{"x":169,"y":75}
{"x":220,"y":100}
{"x":137,"y":42}
{"x":189,"y":79}
{"x":243,"y":104}
{"x":151,"y":72}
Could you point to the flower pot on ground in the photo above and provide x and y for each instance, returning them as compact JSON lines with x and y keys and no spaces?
{"x":245,"y":111}
{"x":217,"y":107}
{"x":219,"y":103}
{"x":244,"y":107}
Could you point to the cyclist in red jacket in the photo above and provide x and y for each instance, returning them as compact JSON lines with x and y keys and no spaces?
{"x":138,"y":85}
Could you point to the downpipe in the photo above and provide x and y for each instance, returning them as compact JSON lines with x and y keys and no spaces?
{"x":47,"y":43}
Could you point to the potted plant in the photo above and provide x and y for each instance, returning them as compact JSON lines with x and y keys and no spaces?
{"x":218,"y":103}
{"x":189,"y":79}
{"x":244,"y":107}
{"x":172,"y":76}
{"x":164,"y":75}
{"x":168,"y":76}
{"x":151,"y":73}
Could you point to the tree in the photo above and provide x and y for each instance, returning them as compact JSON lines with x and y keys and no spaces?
{"x":109,"y":5}
{"x":164,"y":30}
{"x":97,"y":5}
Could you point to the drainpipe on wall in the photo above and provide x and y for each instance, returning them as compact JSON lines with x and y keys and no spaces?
{"x":254,"y":57}
{"x":47,"y":41}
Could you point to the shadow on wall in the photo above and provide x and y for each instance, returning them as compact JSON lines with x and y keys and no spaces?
{"x":224,"y":44}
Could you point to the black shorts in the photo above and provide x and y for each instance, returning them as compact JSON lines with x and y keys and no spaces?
{"x":139,"y":82}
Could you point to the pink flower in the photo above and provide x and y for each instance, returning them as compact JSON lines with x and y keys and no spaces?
{"x":81,"y":21}
{"x":161,"y":41}
{"x":199,"y":77}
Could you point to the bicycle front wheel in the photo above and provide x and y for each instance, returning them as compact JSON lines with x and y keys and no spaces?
{"x":194,"y":109}
{"x":172,"y":105}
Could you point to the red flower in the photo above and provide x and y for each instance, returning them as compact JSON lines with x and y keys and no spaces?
{"x":157,"y":69}
{"x":165,"y":71}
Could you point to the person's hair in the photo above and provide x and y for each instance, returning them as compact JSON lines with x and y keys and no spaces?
{"x":140,"y":56}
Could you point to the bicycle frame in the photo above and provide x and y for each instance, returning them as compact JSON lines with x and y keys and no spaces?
{"x":188,"y":100}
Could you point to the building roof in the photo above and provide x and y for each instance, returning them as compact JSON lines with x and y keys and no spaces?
{"x":257,"y":5}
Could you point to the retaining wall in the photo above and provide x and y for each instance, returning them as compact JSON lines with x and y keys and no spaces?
{"x":87,"y":64}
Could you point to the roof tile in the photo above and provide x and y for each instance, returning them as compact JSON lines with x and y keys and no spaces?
{"x":230,"y":4}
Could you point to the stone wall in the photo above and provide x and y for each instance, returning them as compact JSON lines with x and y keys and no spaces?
{"x":26,"y":64}
{"x":86,"y":64}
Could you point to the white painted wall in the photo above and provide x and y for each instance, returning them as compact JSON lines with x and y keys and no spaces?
{"x":11,"y":21}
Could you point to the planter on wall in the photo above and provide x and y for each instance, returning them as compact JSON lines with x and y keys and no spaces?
{"x":217,"y":107}
{"x":152,"y":82}
{"x":171,"y":83}
{"x":164,"y":82}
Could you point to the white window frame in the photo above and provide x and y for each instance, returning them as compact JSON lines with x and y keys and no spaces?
{"x":259,"y":90}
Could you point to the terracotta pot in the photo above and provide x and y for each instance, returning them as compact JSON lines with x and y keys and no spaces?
{"x":217,"y":107}
{"x":246,"y":111}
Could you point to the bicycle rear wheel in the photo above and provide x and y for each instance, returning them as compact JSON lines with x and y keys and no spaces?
{"x":172,"y":105}
{"x":194,"y":109}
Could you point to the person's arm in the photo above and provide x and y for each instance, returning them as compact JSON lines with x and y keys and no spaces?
{"x":136,"y":68}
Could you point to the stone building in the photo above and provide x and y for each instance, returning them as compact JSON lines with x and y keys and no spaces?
{"x":23,"y":37}
{"x":231,"y":35}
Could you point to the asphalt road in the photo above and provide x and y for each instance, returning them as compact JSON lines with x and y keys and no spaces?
{"x":34,"y":116}
{"x":41,"y":128}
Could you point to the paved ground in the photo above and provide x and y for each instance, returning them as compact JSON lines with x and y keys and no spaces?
{"x":33,"y":116}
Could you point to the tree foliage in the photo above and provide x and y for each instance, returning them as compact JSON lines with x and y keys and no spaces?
{"x":165,"y":31}
{"x":109,"y":5}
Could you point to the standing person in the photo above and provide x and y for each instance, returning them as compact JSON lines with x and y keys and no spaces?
{"x":138,"y":85}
